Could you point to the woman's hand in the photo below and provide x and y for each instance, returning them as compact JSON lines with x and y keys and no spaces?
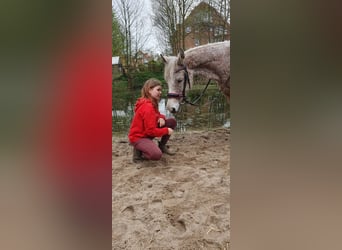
{"x":161,"y":122}
{"x":170,"y":131}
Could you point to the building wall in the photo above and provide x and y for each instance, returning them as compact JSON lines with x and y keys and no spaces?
{"x":205,"y":25}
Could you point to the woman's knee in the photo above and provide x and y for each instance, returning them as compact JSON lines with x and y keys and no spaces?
{"x":171,"y":123}
{"x":155,"y":155}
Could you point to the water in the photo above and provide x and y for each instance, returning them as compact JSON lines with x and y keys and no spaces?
{"x":212,"y":112}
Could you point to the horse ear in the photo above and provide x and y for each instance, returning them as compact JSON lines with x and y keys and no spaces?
{"x":164,"y":59}
{"x":180,"y":57}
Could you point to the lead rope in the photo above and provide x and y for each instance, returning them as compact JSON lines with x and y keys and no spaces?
{"x":202,"y":93}
{"x":199,"y":97}
{"x":187,"y":80}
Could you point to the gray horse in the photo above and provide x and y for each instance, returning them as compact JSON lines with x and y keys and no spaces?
{"x":211,"y":61}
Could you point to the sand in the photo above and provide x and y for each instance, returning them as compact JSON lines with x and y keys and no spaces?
{"x":179,"y":202}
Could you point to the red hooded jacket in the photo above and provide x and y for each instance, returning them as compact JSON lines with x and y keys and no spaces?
{"x":145,"y":121}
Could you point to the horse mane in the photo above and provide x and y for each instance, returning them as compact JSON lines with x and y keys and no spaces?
{"x":211,"y":61}
{"x":207,"y":53}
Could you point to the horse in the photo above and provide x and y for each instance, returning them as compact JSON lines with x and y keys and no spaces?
{"x":211,"y":61}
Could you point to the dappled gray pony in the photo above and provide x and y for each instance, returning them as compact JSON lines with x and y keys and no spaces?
{"x":211,"y":61}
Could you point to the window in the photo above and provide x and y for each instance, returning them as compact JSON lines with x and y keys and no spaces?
{"x":188,"y":29}
{"x":197,"y":43}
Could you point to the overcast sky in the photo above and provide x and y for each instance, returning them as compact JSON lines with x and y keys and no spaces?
{"x":152,"y":44}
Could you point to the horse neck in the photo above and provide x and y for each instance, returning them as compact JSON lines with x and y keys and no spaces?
{"x":207,"y":60}
{"x":200,"y":67}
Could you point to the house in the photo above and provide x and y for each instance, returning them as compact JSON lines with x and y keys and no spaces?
{"x":142,"y":58}
{"x":205,"y":25}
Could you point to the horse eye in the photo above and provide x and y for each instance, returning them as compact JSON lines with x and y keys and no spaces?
{"x":179,"y":80}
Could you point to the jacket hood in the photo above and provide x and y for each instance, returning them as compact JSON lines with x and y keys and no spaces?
{"x":140,"y":102}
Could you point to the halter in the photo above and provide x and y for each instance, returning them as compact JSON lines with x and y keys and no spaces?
{"x":186,"y":81}
{"x":182,"y":95}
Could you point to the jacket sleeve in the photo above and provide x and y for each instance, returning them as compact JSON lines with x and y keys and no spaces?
{"x":162,"y":116}
{"x":150,"y":117}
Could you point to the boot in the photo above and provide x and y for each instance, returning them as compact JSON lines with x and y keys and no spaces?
{"x":165,"y":149}
{"x":137,"y":155}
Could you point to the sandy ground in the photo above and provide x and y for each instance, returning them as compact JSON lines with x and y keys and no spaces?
{"x":179,"y":202}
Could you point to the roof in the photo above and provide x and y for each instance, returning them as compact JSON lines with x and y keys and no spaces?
{"x":115,"y":60}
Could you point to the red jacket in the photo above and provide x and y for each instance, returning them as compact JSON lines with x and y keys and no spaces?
{"x":145,"y":121}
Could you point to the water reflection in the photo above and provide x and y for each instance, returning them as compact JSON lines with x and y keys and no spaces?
{"x":212,"y":111}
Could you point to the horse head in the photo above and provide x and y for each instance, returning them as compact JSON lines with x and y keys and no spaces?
{"x":211,"y":61}
{"x":177,"y":78}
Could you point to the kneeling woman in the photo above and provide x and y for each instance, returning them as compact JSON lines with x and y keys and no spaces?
{"x":149,"y":123}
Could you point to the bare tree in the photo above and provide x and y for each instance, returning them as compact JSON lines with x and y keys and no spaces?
{"x":168,"y":18}
{"x":165,"y":20}
{"x":130,"y":16}
{"x":117,"y":38}
{"x":223,"y":7}
{"x":185,"y":7}
{"x":140,"y":39}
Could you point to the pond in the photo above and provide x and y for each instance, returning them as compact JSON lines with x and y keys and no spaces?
{"x":212,"y":111}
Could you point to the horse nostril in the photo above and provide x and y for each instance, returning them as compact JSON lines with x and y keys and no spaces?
{"x":173,"y":110}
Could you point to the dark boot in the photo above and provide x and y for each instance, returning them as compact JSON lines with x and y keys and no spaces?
{"x":137,"y":155}
{"x":165,"y":149}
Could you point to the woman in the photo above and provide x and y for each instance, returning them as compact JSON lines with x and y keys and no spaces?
{"x":148,"y":123}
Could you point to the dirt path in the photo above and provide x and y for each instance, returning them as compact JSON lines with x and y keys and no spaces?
{"x":179,"y":202}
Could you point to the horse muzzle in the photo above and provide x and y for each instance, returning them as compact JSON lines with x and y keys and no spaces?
{"x":172,"y":105}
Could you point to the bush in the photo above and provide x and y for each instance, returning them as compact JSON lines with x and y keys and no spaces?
{"x":138,"y":78}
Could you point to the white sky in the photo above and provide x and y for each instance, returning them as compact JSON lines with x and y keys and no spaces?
{"x":153,"y":42}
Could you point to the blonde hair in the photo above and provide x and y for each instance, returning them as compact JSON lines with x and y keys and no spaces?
{"x":148,"y":85}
